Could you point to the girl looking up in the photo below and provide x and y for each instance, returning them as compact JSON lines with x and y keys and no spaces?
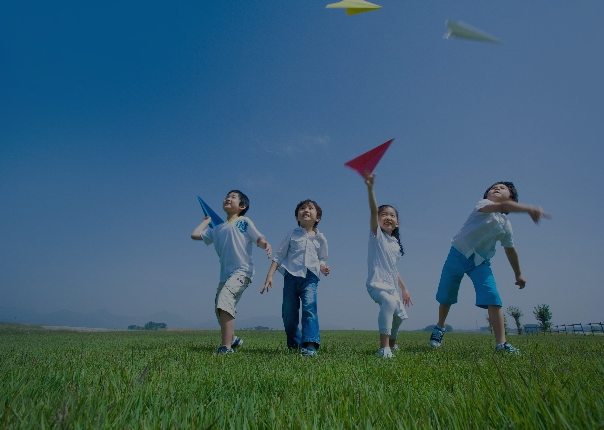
{"x":384,"y":250}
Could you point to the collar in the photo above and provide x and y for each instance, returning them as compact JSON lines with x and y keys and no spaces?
{"x":302,"y":229}
{"x":234,"y":219}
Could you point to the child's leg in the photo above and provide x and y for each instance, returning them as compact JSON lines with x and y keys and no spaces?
{"x":443,"y":311}
{"x":227,"y":297}
{"x":227,"y":327}
{"x":396,"y":323}
{"x":290,"y":311}
{"x":496,"y":319}
{"x":388,"y":304}
{"x":310,"y":317}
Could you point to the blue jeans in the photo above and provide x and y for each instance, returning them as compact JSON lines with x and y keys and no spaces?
{"x":295,"y":290}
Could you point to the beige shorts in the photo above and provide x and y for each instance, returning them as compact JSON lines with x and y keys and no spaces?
{"x":229,"y":293}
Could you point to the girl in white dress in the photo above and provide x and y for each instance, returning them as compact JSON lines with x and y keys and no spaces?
{"x":384,"y":250}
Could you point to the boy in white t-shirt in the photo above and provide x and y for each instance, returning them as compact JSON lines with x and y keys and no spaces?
{"x":233,"y":243}
{"x":471,"y":250}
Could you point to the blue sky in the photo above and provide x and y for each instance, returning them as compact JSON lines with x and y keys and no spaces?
{"x":114,"y":116}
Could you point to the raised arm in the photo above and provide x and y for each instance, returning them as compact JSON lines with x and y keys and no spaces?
{"x":535,"y":212}
{"x":373,"y":207}
{"x":512,"y":256}
{"x":196,"y":235}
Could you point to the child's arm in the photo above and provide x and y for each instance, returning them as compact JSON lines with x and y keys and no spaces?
{"x":535,"y":212}
{"x":373,"y":207}
{"x":406,"y":296}
{"x":322,"y":256}
{"x":262,"y":243}
{"x":196,"y":235}
{"x":512,"y":256}
{"x":269,"y":277}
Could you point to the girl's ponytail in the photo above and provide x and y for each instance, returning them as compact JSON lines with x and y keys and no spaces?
{"x":396,"y":234}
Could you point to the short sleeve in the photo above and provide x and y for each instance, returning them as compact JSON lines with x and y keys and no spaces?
{"x":247,"y":227}
{"x":482,"y":203}
{"x":508,"y":240}
{"x":208,"y":235}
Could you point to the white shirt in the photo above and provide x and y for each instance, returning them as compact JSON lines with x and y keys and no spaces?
{"x":233,"y":243}
{"x":298,"y":252}
{"x":480,"y":233}
{"x":383,"y":253}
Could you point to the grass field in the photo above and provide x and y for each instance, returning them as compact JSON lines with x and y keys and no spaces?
{"x":58,"y":379}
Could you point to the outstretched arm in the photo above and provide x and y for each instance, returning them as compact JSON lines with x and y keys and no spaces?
{"x":535,"y":212}
{"x":373,"y":207}
{"x":269,"y":277}
{"x":512,"y":256}
{"x":196,"y":235}
{"x":406,"y":296}
{"x":262,"y":243}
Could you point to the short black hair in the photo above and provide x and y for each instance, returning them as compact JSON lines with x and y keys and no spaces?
{"x":243,"y":201}
{"x":511,"y":187}
{"x":312,"y":202}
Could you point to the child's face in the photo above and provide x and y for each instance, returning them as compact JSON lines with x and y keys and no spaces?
{"x":499,"y":193}
{"x":231,"y":204}
{"x":387,"y":219}
{"x":307,"y":216}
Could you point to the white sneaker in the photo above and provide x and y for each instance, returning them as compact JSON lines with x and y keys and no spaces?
{"x":384,"y":353}
{"x":394,"y":348}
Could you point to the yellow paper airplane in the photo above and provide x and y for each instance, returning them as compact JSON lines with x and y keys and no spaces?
{"x":465,"y":31}
{"x":354,"y":6}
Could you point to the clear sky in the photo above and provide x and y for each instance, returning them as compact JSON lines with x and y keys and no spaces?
{"x":115,"y":115}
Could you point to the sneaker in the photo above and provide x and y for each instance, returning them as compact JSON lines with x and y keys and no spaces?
{"x":236,"y":343}
{"x":223,"y":350}
{"x":385,"y":353}
{"x":437,"y":336}
{"x":394,"y":348}
{"x":506,"y":347}
{"x":309,"y":351}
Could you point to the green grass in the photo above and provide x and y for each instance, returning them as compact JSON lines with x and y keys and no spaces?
{"x":55,"y":379}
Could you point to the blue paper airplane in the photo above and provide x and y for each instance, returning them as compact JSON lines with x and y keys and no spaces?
{"x":216,"y":220}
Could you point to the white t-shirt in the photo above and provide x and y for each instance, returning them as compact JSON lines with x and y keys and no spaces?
{"x":480,"y":233}
{"x":383,"y":253}
{"x":233,"y":243}
{"x":298,"y":252}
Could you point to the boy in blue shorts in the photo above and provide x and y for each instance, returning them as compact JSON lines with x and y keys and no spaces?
{"x":233,"y":243}
{"x":301,"y":258}
{"x":471,"y":250}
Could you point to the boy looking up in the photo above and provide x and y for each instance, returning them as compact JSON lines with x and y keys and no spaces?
{"x":471,"y":250}
{"x":233,"y":243}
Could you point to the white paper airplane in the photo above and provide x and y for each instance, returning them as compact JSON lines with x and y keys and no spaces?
{"x":354,"y":6}
{"x":464,"y":31}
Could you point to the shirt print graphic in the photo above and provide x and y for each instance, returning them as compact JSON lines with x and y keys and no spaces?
{"x":242,"y":226}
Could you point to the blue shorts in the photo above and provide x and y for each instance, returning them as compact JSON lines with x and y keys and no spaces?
{"x":482,"y":277}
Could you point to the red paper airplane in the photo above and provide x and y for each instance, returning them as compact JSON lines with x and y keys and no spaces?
{"x":369,"y":160}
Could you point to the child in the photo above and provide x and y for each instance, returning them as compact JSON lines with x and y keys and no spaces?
{"x":301,"y":257}
{"x":233,"y":243}
{"x":384,"y":250}
{"x":471,"y":251}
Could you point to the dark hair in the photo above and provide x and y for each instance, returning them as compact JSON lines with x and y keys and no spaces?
{"x":312,"y":202}
{"x":395,"y":232}
{"x":243,"y":201}
{"x":511,"y":187}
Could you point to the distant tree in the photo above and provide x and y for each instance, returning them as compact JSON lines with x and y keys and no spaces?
{"x":516,"y":313}
{"x":490,"y":326}
{"x":155,"y":326}
{"x":505,"y":324}
{"x":544,"y":316}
